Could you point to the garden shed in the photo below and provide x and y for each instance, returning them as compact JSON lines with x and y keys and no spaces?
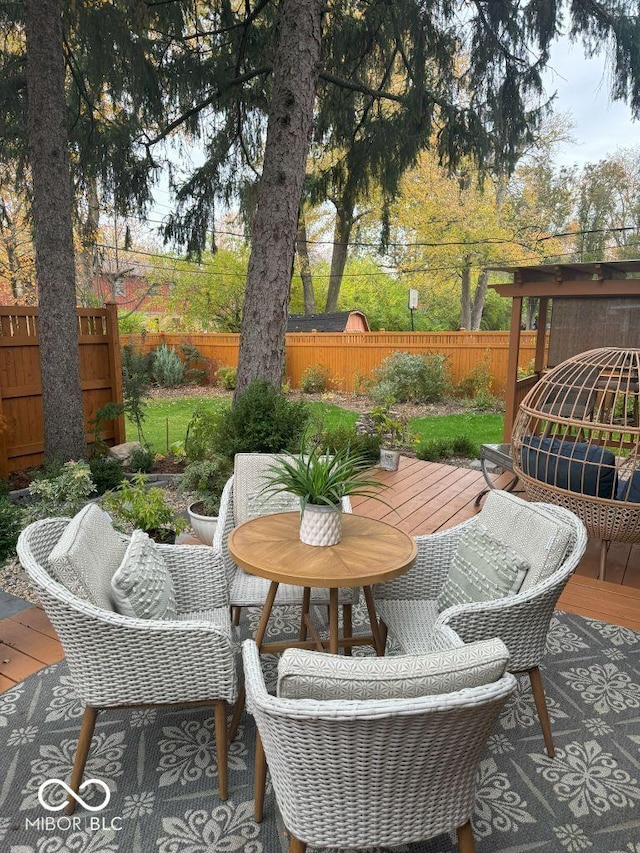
{"x":334,"y":321}
{"x":594,"y":305}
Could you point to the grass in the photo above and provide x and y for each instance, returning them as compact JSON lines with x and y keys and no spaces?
{"x":480,"y":428}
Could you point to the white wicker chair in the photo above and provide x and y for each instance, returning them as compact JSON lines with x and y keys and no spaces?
{"x":408,"y":606}
{"x":379,"y":772}
{"x":116,"y":661}
{"x":245,"y":590}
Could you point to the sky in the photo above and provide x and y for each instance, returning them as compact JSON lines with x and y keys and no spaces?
{"x":583,"y":87}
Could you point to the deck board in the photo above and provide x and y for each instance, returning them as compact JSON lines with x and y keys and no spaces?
{"x":424,"y":497}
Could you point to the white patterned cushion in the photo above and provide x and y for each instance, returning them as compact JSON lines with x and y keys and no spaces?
{"x":313,"y":675}
{"x":86,"y":556}
{"x":482,"y":569}
{"x":248,"y":480}
{"x":142,"y":586}
{"x":267,"y":503}
{"x":530,"y":530}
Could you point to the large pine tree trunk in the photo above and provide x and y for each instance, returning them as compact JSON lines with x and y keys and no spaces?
{"x":64,"y":436}
{"x":295,"y":74}
{"x":341,"y":234}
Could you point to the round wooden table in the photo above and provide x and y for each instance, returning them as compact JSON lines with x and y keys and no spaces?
{"x":369,"y":552}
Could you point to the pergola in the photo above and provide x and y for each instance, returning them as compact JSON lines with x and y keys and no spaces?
{"x":595,"y":304}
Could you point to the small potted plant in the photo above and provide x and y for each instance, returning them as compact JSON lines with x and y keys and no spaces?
{"x":392,"y":430}
{"x":206,"y":480}
{"x":134,"y":506}
{"x":321,"y":482}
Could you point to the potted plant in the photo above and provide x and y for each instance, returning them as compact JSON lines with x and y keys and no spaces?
{"x":134,"y":505}
{"x":321,"y":481}
{"x":392,"y":430}
{"x":206,"y":480}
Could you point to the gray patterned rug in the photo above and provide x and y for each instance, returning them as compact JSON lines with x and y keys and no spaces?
{"x":160,"y":765}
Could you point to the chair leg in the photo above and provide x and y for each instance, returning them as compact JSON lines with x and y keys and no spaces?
{"x":295,"y":845}
{"x":260,"y":780}
{"x":384,"y":633}
{"x":347,"y":626}
{"x":221,"y":746}
{"x":84,"y":742}
{"x":541,"y":707}
{"x":604,"y":547}
{"x":466,"y":844}
{"x":238,"y":710}
{"x":235,"y":614}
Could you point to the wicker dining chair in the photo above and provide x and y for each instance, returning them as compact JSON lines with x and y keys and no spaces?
{"x":374,"y":772}
{"x":408,"y":605}
{"x":118,"y":661}
{"x":242,"y":499}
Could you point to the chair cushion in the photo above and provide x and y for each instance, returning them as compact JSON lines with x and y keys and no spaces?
{"x":314,"y":675}
{"x":250,"y":591}
{"x":248,"y":481}
{"x":482,"y":569}
{"x":629,"y":490}
{"x":530,"y":530}
{"x":142,"y":586}
{"x":218,"y":616}
{"x":573,"y":465}
{"x":87,"y":555}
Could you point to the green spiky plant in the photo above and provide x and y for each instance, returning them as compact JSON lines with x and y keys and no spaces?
{"x":320,"y":479}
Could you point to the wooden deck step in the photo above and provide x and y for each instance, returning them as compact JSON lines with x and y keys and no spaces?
{"x":28,"y":643}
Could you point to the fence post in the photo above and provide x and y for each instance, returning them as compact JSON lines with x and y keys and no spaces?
{"x":4,"y":459}
{"x":115,"y":367}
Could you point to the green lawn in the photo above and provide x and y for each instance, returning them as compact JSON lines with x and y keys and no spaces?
{"x":480,"y":428}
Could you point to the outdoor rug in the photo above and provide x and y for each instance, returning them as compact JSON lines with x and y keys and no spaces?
{"x":160,"y":765}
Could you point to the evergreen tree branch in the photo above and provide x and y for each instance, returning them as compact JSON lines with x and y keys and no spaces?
{"x":360,"y":87}
{"x":181,"y":119}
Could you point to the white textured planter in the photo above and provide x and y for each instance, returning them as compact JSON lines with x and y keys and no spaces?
{"x":321,"y":525}
{"x":389,"y":459}
{"x":204,"y":526}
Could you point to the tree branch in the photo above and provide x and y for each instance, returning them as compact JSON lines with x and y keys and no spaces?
{"x":237,"y":81}
{"x":359,"y":87}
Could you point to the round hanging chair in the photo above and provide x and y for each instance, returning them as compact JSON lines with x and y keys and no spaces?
{"x":576,"y":441}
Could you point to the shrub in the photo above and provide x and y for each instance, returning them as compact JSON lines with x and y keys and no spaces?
{"x":133,"y":505}
{"x":445,"y":448}
{"x":10,"y":526}
{"x":167,"y":369}
{"x":106,"y":473}
{"x":227,"y":377}
{"x":314,"y":379}
{"x":63,"y":494}
{"x":201,"y":430}
{"x":404,"y":377}
{"x":261,"y":421}
{"x":479,"y":380}
{"x":341,"y":438}
{"x":135,"y":386}
{"x":207,"y":479}
{"x":195,"y":370}
{"x":141,"y":460}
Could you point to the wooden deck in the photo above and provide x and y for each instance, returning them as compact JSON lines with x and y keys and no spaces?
{"x":423,"y":497}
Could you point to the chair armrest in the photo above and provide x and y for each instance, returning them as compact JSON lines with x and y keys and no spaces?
{"x":198,"y":576}
{"x":425,"y":578}
{"x":521,"y":621}
{"x":117,"y":660}
{"x":226,"y":523}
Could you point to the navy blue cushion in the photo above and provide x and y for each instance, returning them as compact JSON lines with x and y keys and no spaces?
{"x":573,"y":465}
{"x":629,"y":490}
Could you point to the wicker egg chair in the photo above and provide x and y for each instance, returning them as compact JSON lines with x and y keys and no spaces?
{"x":576,"y":440}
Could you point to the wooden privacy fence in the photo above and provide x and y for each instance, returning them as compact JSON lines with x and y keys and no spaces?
{"x":21,"y":426}
{"x":351,"y":357}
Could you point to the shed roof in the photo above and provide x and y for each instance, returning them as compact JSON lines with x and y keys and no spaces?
{"x":334,"y":321}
